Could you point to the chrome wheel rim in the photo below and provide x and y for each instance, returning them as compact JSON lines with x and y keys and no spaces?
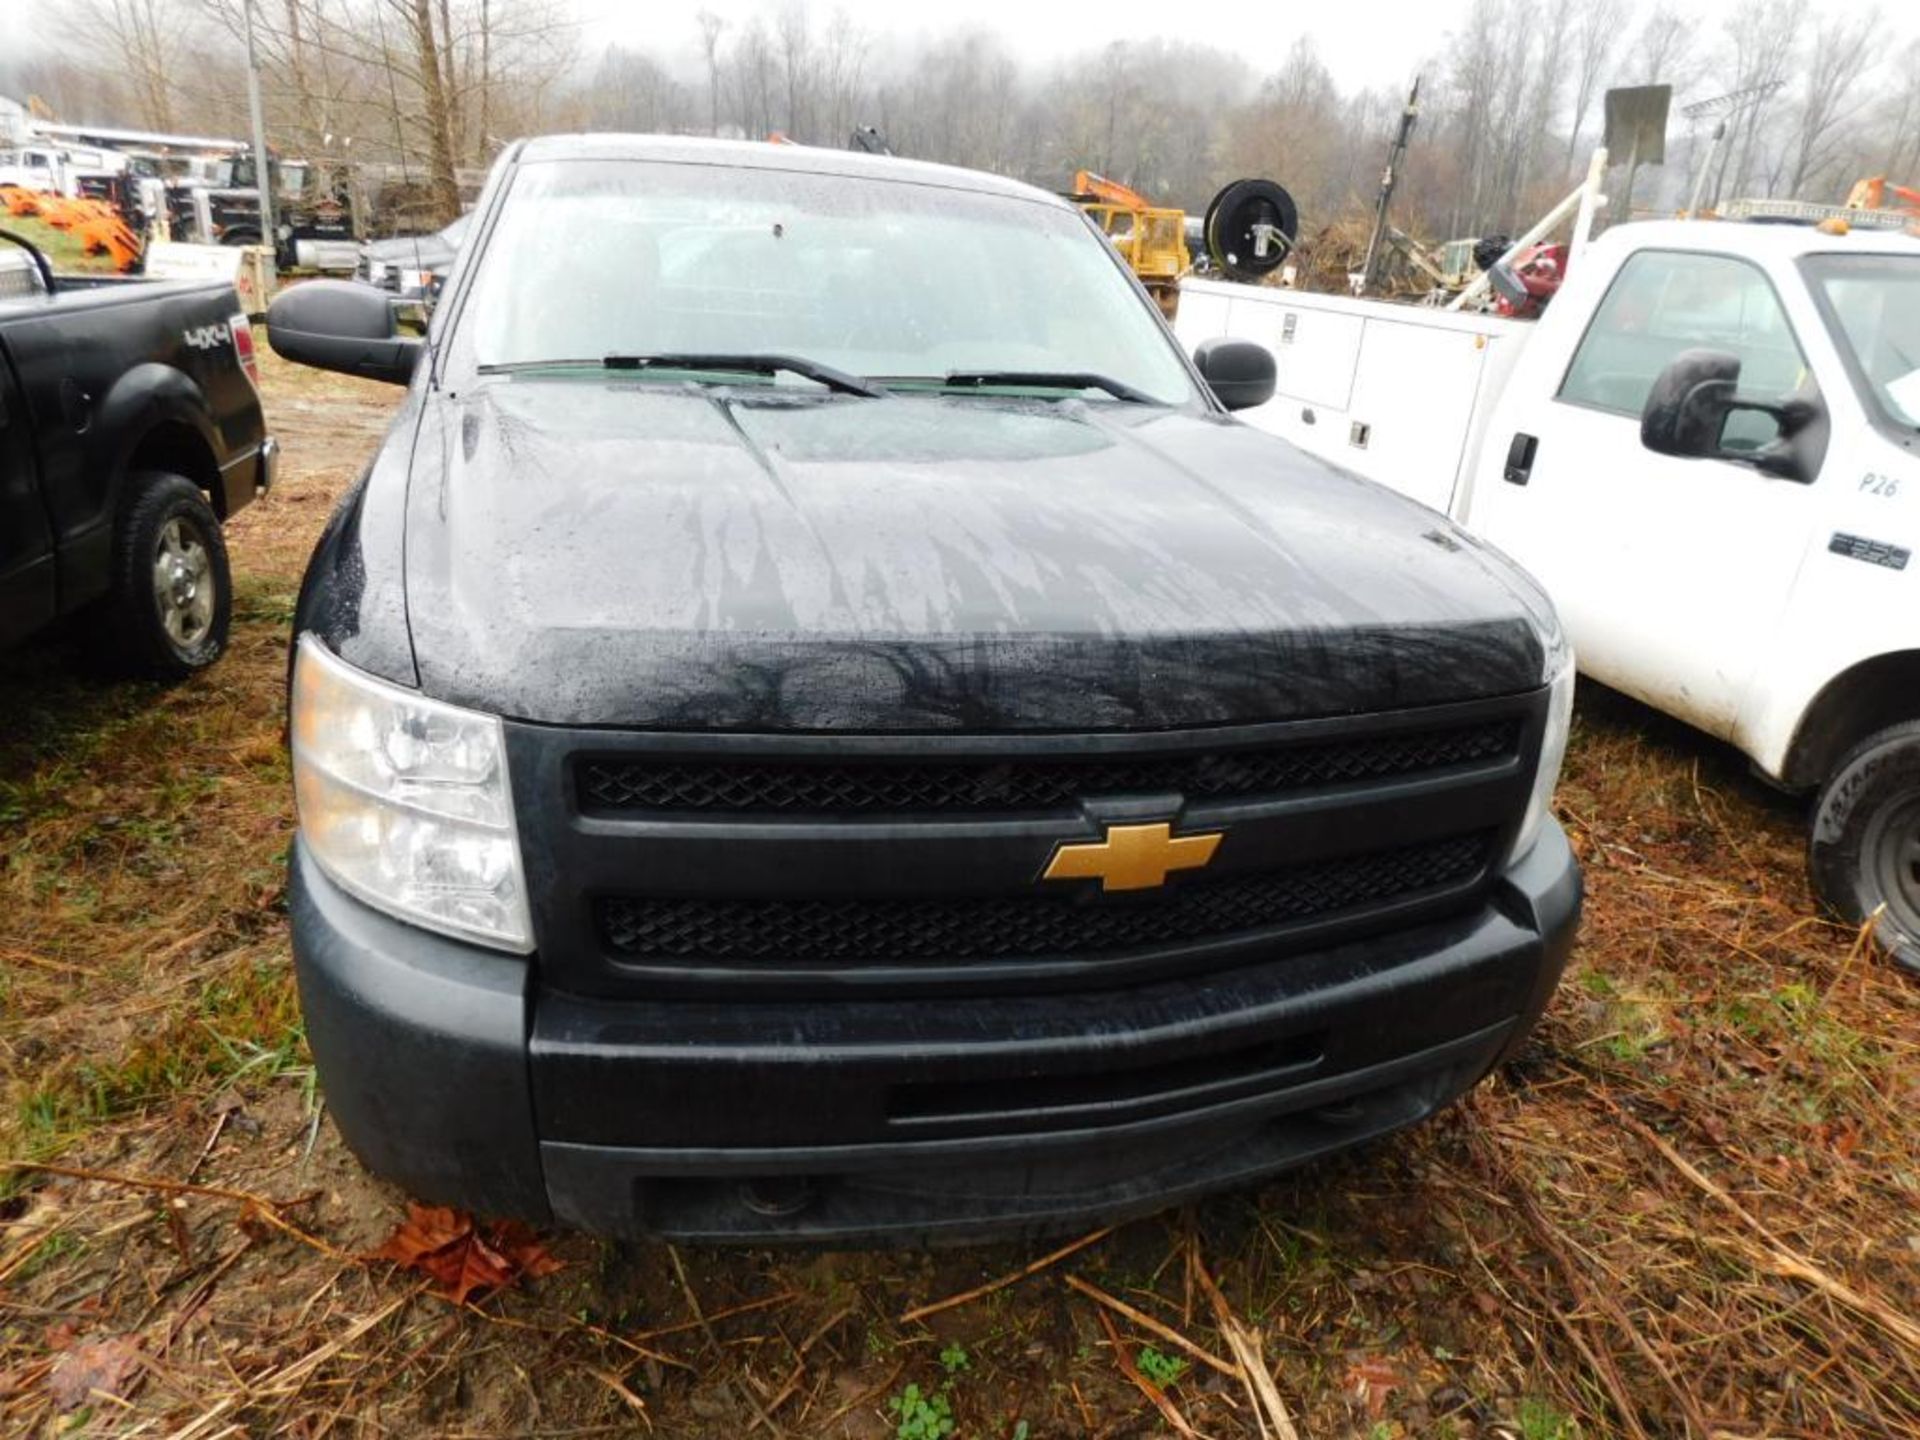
{"x":183,"y":585}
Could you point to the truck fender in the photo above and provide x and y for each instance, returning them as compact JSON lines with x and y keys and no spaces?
{"x":1861,"y":700}
{"x":160,"y":420}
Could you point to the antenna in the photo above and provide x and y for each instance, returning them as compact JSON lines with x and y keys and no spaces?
{"x":1388,"y":179}
{"x":1722,"y":108}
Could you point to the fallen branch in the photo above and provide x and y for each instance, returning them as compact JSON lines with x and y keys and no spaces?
{"x":1244,"y":1342}
{"x":1776,"y":1255}
{"x":1152,"y":1326}
{"x":293,"y":1375}
{"x":1587,"y":1297}
{"x":792,"y":1383}
{"x":920,"y":1312}
{"x":619,"y":1387}
{"x":266,"y":1209}
{"x":1159,"y":1397}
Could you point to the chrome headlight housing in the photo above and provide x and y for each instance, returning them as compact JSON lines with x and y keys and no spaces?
{"x":404,"y":802}
{"x":1553,"y":747}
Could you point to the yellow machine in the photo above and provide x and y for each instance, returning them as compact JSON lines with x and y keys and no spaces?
{"x":1152,"y":239}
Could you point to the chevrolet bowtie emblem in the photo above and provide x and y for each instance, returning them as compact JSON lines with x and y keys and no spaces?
{"x":1132,"y":857}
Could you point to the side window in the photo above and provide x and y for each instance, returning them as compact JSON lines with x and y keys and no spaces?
{"x":1664,"y":302}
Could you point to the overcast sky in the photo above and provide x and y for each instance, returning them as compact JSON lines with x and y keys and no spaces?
{"x":1361,"y":42}
{"x":1364,"y":42}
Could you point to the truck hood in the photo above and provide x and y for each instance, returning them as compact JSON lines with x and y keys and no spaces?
{"x":631,"y":553}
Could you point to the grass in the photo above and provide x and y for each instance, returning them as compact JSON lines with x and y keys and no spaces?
{"x":1688,"y":1207}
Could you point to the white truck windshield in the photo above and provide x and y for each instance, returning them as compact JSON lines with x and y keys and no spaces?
{"x":1872,"y":305}
{"x":884,"y":279}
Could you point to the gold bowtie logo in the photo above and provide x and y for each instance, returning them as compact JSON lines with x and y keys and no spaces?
{"x":1132,"y":857}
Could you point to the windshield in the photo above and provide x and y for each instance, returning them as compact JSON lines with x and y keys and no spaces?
{"x":884,"y":279}
{"x":1872,"y":306}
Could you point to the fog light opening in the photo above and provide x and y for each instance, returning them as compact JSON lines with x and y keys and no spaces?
{"x":777,"y":1197}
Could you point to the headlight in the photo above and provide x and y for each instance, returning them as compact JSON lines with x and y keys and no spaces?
{"x":404,"y":802}
{"x":377,"y":271}
{"x":1553,"y":750}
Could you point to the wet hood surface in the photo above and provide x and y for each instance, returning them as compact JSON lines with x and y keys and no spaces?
{"x":596,"y":552}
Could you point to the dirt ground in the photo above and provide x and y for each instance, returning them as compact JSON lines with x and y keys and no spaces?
{"x":1691,"y":1208}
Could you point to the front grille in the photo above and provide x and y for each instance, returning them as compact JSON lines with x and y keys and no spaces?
{"x":735,"y":785}
{"x":1074,"y":921}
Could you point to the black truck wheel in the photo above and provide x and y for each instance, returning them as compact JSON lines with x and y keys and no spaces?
{"x":172,"y":599}
{"x":1865,"y":850}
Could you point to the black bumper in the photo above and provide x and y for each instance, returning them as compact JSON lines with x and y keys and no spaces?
{"x":450,"y":1072}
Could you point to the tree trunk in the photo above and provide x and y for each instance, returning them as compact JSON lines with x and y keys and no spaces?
{"x":313,"y":123}
{"x":450,"y":80}
{"x":480,"y":141}
{"x":433,"y":90}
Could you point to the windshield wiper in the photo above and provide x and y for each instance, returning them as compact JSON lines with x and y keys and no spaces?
{"x":1048,"y":380}
{"x":806,"y":369}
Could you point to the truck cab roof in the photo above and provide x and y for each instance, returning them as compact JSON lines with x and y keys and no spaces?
{"x":763,"y":155}
{"x":1760,"y":240}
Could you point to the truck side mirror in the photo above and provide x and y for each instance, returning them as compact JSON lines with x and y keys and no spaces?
{"x":1691,"y":401}
{"x":341,"y":325}
{"x":1240,"y":373}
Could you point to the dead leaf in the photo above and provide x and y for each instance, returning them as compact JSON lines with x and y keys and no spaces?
{"x":107,"y":1366}
{"x":1371,"y":1380}
{"x":462,"y":1258}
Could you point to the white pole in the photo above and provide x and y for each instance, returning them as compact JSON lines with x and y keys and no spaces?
{"x":262,"y":171}
{"x":1587,"y":199}
{"x":1590,"y":202}
{"x":1700,"y":180}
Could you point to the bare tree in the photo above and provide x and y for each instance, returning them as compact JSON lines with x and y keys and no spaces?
{"x":794,"y":29}
{"x":146,"y":35}
{"x":1843,"y":50}
{"x":843,"y":55}
{"x":438,"y":117}
{"x":711,"y":26}
{"x":1595,"y":35}
{"x":1764,"y":34}
{"x":1662,"y":52}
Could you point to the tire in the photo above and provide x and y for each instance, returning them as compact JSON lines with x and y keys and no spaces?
{"x":1865,"y":850}
{"x":171,"y":604}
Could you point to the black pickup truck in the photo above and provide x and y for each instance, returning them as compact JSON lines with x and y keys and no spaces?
{"x":817,"y":724}
{"x":130,"y":428}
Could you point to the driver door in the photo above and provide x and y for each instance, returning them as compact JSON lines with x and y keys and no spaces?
{"x":1671,"y":574}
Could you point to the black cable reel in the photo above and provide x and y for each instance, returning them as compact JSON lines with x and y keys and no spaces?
{"x":1250,"y":228}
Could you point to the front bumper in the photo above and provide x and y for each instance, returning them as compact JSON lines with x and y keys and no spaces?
{"x":451,"y":1072}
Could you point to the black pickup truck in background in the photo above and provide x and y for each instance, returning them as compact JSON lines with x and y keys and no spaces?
{"x":130,"y":429}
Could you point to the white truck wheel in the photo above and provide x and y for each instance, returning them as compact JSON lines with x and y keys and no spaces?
{"x":1865,"y":850}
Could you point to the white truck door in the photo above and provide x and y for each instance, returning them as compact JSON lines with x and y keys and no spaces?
{"x":1671,"y":574}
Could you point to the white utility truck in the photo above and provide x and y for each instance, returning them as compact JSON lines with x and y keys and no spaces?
{"x":1708,"y":449}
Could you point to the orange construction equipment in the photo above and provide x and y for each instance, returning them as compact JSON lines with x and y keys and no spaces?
{"x":94,"y":223}
{"x":1872,"y":193}
{"x":1152,"y":239}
